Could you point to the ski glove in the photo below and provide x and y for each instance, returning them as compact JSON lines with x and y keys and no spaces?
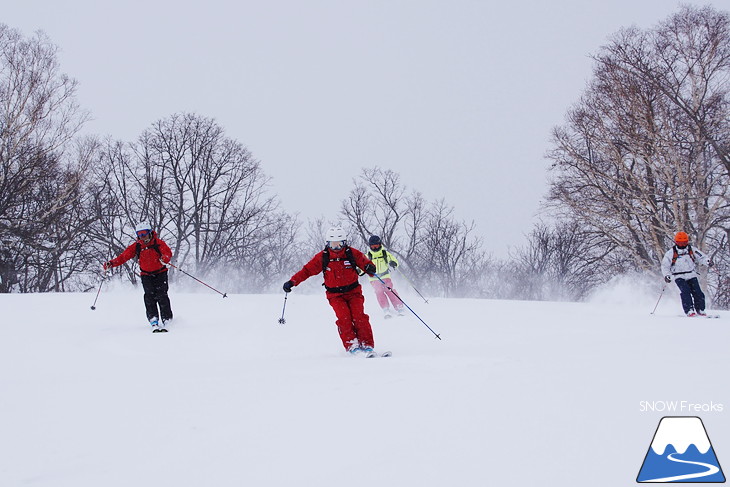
{"x":370,"y":269}
{"x":287,"y":286}
{"x":393,"y":264}
{"x":667,"y":278}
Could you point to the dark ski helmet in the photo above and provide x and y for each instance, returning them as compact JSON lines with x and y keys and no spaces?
{"x":374,"y":240}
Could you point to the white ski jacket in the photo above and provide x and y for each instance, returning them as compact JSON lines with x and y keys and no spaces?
{"x":684,"y":267}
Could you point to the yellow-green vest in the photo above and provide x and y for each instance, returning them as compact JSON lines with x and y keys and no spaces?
{"x":381,"y":259}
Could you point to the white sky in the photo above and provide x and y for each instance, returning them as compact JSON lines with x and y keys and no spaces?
{"x":459,"y":97}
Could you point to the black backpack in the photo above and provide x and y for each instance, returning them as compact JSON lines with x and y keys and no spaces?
{"x":348,"y":257}
{"x":154,"y":246}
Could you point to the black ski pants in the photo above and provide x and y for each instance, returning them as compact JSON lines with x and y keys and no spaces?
{"x":155,"y":293}
{"x":691,"y":294}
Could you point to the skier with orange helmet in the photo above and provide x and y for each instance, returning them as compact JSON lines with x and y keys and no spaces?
{"x":679,"y":263}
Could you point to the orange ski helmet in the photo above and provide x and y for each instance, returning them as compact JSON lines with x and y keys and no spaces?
{"x":681,"y":238}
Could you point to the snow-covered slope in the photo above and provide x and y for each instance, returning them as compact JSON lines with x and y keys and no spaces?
{"x":516,"y":393}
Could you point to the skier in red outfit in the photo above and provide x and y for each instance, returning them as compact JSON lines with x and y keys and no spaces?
{"x":344,"y":293}
{"x":153,"y":254}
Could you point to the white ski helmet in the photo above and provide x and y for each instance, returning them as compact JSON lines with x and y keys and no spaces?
{"x":336,"y":234}
{"x":142,"y":226}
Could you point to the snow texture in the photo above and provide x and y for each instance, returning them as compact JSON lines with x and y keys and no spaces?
{"x":516,"y":393}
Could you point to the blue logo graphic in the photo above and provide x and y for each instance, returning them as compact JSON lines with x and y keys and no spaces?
{"x":681,"y":452}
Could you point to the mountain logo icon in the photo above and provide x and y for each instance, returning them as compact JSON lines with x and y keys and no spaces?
{"x":680,"y":452}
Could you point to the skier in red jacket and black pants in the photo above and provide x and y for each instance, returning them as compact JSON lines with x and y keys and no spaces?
{"x":153,"y":254}
{"x":344,"y":293}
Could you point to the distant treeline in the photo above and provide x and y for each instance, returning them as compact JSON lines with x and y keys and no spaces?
{"x":644,"y":152}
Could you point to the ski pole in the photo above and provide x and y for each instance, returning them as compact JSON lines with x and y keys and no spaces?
{"x":660,"y":298}
{"x":193,"y":277}
{"x":404,"y":304}
{"x":409,"y":282}
{"x":103,"y":277}
{"x":282,"y":320}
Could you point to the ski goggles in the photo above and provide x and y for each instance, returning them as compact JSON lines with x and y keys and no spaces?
{"x":375,"y":246}
{"x":143,"y":233}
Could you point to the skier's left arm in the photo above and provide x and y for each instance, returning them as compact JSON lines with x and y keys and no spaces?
{"x":703,"y":258}
{"x":165,"y":252}
{"x":392,"y":261}
{"x":363,"y":262}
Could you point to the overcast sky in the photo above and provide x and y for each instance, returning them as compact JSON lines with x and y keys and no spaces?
{"x":458,"y":97}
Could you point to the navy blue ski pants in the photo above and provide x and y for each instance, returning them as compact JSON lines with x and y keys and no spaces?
{"x":691,"y":294}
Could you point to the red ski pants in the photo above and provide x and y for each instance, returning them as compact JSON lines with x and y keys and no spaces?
{"x":383,"y":294}
{"x":352,"y":322}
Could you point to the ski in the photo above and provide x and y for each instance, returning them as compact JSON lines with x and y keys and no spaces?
{"x":375,"y":354}
{"x":371,"y":354}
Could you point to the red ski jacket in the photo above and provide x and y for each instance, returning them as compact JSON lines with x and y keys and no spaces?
{"x":340,"y":274}
{"x":149,"y":255}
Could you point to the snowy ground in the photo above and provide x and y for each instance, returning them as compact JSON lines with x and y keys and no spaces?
{"x":516,"y":393}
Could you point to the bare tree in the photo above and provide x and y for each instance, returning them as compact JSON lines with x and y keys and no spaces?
{"x":116,"y":201}
{"x":559,"y":262}
{"x":39,"y":189}
{"x":686,"y":60}
{"x":640,"y":155}
{"x":450,"y":256}
{"x":438,"y":251}
{"x":377,"y":205}
{"x":204,"y":192}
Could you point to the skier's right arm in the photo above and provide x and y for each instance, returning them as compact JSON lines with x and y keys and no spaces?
{"x":666,"y":265}
{"x":311,"y":268}
{"x":128,"y":253}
